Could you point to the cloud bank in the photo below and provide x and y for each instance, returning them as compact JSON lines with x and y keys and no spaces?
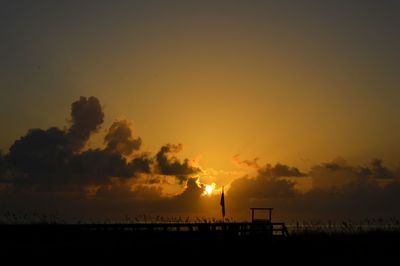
{"x":57,"y":157}
{"x":53,"y":170}
{"x":339,"y":191}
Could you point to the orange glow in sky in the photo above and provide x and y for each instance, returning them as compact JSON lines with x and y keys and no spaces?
{"x":269,"y":99}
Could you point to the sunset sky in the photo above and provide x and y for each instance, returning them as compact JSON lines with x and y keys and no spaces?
{"x":282,"y":102}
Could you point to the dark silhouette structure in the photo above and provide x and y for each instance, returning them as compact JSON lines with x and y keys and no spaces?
{"x":222,"y":203}
{"x":262,"y":225}
{"x":256,"y":239}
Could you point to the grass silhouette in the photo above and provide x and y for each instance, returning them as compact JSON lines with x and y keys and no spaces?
{"x":322,"y":242}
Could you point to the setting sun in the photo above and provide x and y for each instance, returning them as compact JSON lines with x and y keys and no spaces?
{"x":208,"y":190}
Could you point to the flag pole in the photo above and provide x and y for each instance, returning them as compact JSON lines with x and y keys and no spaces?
{"x":222,"y":203}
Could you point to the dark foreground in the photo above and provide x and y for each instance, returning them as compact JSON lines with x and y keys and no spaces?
{"x":72,"y":245}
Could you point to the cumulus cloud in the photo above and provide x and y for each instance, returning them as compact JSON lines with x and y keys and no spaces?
{"x":119,"y":139}
{"x":86,"y":118}
{"x":40,"y":156}
{"x":169,"y":164}
{"x":51,"y":169}
{"x":53,"y":157}
{"x":97,"y":166}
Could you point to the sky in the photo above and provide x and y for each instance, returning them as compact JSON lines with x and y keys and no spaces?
{"x":281,"y":102}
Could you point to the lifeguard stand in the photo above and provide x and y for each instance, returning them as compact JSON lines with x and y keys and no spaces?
{"x":261,"y":226}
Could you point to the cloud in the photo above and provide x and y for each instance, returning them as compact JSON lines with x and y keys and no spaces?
{"x":340,"y":191}
{"x":50,"y":169}
{"x":338,"y":173}
{"x":280,"y":170}
{"x":261,"y":187}
{"x":192,"y":192}
{"x":169,"y":164}
{"x":39,"y":156}
{"x":246,"y":163}
{"x":380,"y":171}
{"x":124,"y":190}
{"x":50,"y":156}
{"x":119,"y":139}
{"x":141,"y":164}
{"x":53,"y":157}
{"x":359,"y":199}
{"x":86,"y":118}
{"x":265,"y":185}
{"x":360,"y":196}
{"x":97,"y":166}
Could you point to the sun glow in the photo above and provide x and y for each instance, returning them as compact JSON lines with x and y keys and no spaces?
{"x":208,"y":189}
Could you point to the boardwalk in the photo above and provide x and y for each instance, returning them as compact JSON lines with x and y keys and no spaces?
{"x":239,"y":230}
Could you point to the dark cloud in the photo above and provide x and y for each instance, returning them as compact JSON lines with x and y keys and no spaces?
{"x":192,"y":192}
{"x":86,"y":118}
{"x":119,"y":139}
{"x":148,"y":199}
{"x":340,"y":191}
{"x":169,"y":164}
{"x":124,"y":191}
{"x":52,"y":157}
{"x":97,"y":166}
{"x":51,"y":168}
{"x":141,"y":164}
{"x":267,"y":183}
{"x":338,"y":173}
{"x":358,"y":199}
{"x":40,"y":156}
{"x":263,"y":190}
{"x":280,"y":170}
{"x":380,"y":171}
{"x":115,"y":201}
{"x":261,"y":187}
{"x":46,"y":156}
